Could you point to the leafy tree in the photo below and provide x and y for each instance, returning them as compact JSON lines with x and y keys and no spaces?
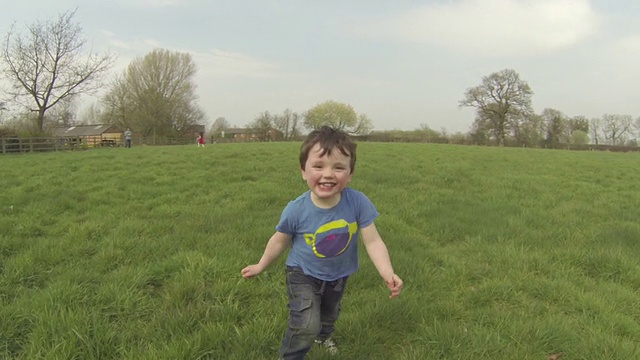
{"x":556,"y":123}
{"x":530,"y":131}
{"x":425,"y":133}
{"x":338,"y":115}
{"x":579,"y":137}
{"x":156,"y":95}
{"x":49,"y":65}
{"x":580,"y":123}
{"x":501,"y":101}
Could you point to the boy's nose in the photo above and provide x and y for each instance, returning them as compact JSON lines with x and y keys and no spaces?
{"x":327,"y":173}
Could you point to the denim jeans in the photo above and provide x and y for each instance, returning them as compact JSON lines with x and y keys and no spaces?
{"x":314,"y":306}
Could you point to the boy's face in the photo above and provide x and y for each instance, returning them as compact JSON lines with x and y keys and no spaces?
{"x":326,"y":175}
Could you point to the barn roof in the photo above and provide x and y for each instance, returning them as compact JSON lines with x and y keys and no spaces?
{"x":82,"y":130}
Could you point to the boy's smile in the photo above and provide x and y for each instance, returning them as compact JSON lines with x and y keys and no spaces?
{"x":326,"y":176}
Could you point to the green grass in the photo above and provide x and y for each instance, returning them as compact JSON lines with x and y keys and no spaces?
{"x":136,"y":253}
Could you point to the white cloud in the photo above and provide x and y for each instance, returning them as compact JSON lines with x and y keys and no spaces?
{"x":214,"y":63}
{"x":622,"y":63}
{"x":220,"y":63}
{"x":491,"y":27}
{"x":154,"y":3}
{"x":113,"y":42}
{"x":628,"y":47}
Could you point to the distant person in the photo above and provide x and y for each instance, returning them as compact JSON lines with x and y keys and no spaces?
{"x":201,"y":140}
{"x":127,"y":138}
{"x":322,"y":228}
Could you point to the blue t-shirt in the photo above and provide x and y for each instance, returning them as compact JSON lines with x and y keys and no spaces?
{"x":325,"y":241}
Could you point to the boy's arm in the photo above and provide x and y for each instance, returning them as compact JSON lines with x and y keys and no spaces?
{"x":277,"y":244}
{"x":379,"y":255}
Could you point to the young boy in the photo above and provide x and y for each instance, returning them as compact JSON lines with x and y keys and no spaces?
{"x":322,"y":227}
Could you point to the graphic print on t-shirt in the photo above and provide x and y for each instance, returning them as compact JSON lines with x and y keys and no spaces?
{"x":332,"y":238}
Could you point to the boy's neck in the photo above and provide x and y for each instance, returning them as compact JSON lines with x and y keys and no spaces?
{"x":326,"y":203}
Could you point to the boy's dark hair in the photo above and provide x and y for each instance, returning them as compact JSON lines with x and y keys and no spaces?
{"x":329,"y":139}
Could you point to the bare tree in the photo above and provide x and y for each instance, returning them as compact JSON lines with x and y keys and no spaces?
{"x":288,"y":124}
{"x":48,"y":64}
{"x":501,"y":101}
{"x":93,"y":114}
{"x":262,"y":125}
{"x":64,"y":114}
{"x":219,"y":125}
{"x":616,"y":128}
{"x":595,"y":125}
{"x":363,"y":126}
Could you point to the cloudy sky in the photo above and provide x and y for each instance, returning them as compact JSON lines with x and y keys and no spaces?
{"x":403,"y":63}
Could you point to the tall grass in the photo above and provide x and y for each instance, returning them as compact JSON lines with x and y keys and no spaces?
{"x":136,"y":253}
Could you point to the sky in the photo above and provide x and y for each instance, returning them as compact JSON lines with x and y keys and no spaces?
{"x":403,"y":63}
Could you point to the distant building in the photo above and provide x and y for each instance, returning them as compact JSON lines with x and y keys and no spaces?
{"x":248,"y":134}
{"x":90,"y":135}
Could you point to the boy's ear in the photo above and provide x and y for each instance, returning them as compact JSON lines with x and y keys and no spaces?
{"x":302,"y":174}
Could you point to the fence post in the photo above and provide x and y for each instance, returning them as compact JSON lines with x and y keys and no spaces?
{"x":4,"y":149}
{"x":31,"y":144}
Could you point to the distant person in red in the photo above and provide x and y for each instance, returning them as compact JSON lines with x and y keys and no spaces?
{"x":201,"y":140}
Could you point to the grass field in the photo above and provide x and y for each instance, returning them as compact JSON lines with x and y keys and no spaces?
{"x":506,"y":253}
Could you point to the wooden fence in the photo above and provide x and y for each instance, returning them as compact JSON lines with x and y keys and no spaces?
{"x":35,"y":144}
{"x":16,"y":145}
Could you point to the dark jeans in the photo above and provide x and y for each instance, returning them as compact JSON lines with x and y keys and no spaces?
{"x":314,"y":306}
{"x":128,"y":143}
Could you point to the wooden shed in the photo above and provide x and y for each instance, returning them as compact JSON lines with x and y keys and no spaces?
{"x":91,"y":135}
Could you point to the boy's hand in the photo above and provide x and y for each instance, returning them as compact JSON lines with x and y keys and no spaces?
{"x":394,"y":284}
{"x":251,"y":271}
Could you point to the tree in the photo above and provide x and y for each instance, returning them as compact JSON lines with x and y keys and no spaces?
{"x":363,"y":126}
{"x":501,"y":101}
{"x":425,"y":133}
{"x":594,"y":128}
{"x":530,"y":132}
{"x":48,"y":65}
{"x":338,"y":115}
{"x":288,"y":124}
{"x":616,"y":128}
{"x":579,"y":137}
{"x":93,"y":114}
{"x":64,"y":114}
{"x":578,"y":123}
{"x":117,"y":104}
{"x":556,"y":124}
{"x":262,"y":125}
{"x":219,"y":125}
{"x":3,"y":108}
{"x":155,"y":95}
